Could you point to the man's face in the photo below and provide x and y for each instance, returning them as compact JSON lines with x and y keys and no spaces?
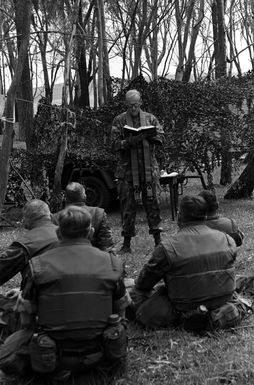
{"x":134,"y":104}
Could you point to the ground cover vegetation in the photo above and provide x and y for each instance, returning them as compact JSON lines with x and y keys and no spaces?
{"x":174,"y":356}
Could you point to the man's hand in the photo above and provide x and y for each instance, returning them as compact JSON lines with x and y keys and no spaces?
{"x":138,"y":296}
{"x":151,"y":136}
{"x":13,"y":293}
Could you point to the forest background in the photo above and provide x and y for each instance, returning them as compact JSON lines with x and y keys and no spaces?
{"x":193,"y":61}
{"x":206,"y":110}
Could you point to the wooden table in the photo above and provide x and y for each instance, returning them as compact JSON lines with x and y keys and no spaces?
{"x":170,"y":182}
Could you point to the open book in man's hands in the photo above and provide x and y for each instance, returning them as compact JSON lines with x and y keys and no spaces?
{"x":151,"y":130}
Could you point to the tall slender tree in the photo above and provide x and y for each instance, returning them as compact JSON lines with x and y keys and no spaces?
{"x":24,"y":9}
{"x":56,"y":195}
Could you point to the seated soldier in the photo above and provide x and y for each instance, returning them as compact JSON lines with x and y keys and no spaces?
{"x":68,"y":299}
{"x":41,"y":235}
{"x":75,"y":195}
{"x":217,"y":222}
{"x":197,"y":267}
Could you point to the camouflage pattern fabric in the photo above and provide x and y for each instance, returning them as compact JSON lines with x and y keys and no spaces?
{"x":124,"y":174}
{"x":102,"y":237}
{"x":129,"y":209}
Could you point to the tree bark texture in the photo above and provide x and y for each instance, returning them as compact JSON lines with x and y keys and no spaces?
{"x":244,"y":185}
{"x":24,"y":6}
{"x":25,"y":92}
{"x":56,"y":195}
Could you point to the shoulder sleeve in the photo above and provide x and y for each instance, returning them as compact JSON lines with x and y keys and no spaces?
{"x":103,"y":235}
{"x":121,"y":298}
{"x":12,"y":261}
{"x":236,"y":233}
{"x":116,"y":263}
{"x":154,"y":270}
{"x":116,"y":133}
{"x":160,"y":138}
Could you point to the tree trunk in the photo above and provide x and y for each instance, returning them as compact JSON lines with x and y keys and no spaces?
{"x":84,"y":77}
{"x":244,"y":185}
{"x":25,"y":8}
{"x":82,"y":100}
{"x":100,"y":53}
{"x":106,"y":70}
{"x":154,"y":45}
{"x":24,"y":93}
{"x":182,"y":41}
{"x":95,"y":94}
{"x":25,"y":107}
{"x":56,"y":195}
{"x":219,"y":38}
{"x":194,"y":36}
{"x":127,"y":32}
{"x":139,"y":40}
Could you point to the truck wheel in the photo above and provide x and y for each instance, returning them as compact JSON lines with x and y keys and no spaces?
{"x":97,"y":193}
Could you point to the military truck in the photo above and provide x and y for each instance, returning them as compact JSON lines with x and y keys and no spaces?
{"x":99,"y":182}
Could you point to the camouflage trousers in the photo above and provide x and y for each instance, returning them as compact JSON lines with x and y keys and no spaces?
{"x":129,"y":206}
{"x":154,"y":309}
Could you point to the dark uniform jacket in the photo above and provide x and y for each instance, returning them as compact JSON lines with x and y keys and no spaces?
{"x":227,"y":225}
{"x":75,"y":287}
{"x":102,"y":237}
{"x":120,"y":146}
{"x":33,"y":242}
{"x":197,"y":266}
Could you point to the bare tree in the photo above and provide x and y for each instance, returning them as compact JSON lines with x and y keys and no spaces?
{"x":84,"y":65}
{"x":190,"y":62}
{"x":24,"y":8}
{"x":56,"y":195}
{"x":24,"y":99}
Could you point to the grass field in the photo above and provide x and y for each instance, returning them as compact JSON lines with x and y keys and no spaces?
{"x":172,"y":356}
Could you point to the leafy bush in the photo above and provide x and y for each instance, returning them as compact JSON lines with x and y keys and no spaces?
{"x":201,"y":121}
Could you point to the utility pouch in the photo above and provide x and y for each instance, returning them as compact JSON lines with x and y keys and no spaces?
{"x":43,"y":355}
{"x":226,"y":316}
{"x":197,"y":319}
{"x":137,"y":194}
{"x":14,"y":352}
{"x":195,"y":322}
{"x":149,"y":191}
{"x":78,"y":360}
{"x":115,"y":341}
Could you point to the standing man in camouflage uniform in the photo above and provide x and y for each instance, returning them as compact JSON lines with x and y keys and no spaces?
{"x":137,"y":172}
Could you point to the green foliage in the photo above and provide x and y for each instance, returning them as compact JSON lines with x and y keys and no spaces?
{"x":200,"y":119}
{"x":196,"y":116}
{"x":14,"y":192}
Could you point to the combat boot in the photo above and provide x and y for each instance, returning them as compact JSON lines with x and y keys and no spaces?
{"x":157,"y":238}
{"x":126,"y":247}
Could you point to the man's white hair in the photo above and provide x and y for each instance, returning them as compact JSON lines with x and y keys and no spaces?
{"x":132,"y":94}
{"x":35,"y":210}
